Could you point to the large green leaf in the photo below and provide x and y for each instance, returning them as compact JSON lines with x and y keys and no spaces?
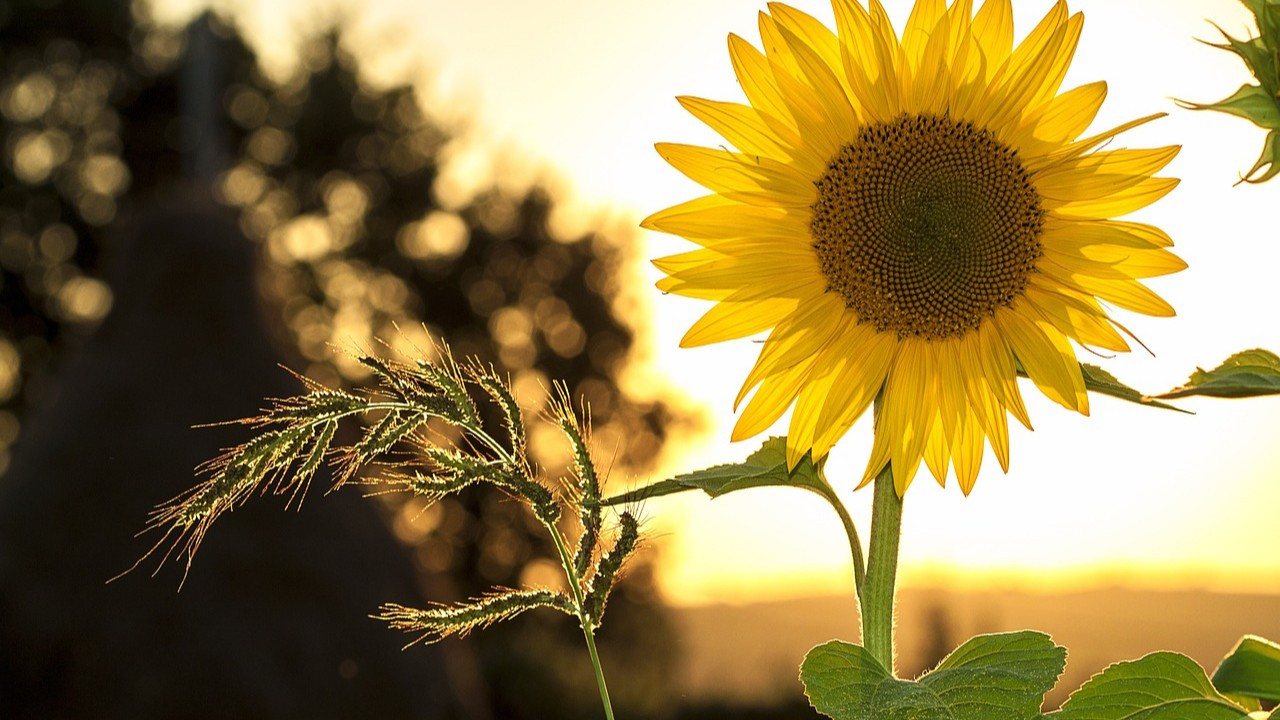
{"x":766,"y":467}
{"x":990,"y":677}
{"x":1252,"y":670}
{"x":1246,"y":374}
{"x":1160,"y":686}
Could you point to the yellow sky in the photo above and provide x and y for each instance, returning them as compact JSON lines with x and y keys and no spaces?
{"x":1129,"y":495}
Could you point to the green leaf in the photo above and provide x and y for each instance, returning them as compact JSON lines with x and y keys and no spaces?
{"x":990,"y":677}
{"x":766,"y":467}
{"x":1246,"y":374}
{"x":1160,"y":686}
{"x":1250,"y":102}
{"x":1101,"y":381}
{"x":1251,"y":670}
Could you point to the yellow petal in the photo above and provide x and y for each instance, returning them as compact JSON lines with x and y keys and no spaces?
{"x":1046,"y":356}
{"x":989,"y":412}
{"x":891,"y":55}
{"x":803,"y":334}
{"x":822,"y":132}
{"x":1058,"y":121}
{"x":1080,"y":147}
{"x":805,"y":419}
{"x":951,"y":383}
{"x":1100,"y":174}
{"x":1149,"y":233}
{"x":1075,"y":318}
{"x":1112,"y":262}
{"x":753,"y":179}
{"x":861,"y":379}
{"x":742,"y":126}
{"x":800,"y":286}
{"x":714,"y":217}
{"x":936,"y":453}
{"x":1134,"y":262}
{"x":907,"y":409}
{"x":966,"y":453}
{"x":746,"y":270}
{"x":775,"y":48}
{"x":728,"y":320}
{"x":756,"y":78}
{"x":1058,"y":63}
{"x":1035,"y":65}
{"x":920,"y":25}
{"x":771,"y":400}
{"x":1128,"y":294}
{"x":992,"y":353}
{"x":837,"y":114}
{"x":1134,"y":197}
{"x":864,"y":57}
{"x":879,"y":454}
{"x":993,"y":27}
{"x":933,"y":84}
{"x":672,"y":264}
{"x":1115,"y":233}
{"x":814,"y":33}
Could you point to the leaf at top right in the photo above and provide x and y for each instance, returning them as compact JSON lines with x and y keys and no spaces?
{"x":1250,"y":373}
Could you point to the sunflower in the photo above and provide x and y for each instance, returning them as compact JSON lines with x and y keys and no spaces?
{"x":916,"y":219}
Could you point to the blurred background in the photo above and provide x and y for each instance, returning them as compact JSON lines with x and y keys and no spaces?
{"x":194,"y":192}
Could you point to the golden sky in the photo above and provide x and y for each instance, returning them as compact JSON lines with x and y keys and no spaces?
{"x":581,"y":89}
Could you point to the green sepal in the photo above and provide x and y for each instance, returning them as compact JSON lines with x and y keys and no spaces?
{"x":1251,"y":671}
{"x":1160,"y":686}
{"x":1254,"y":52}
{"x":1259,"y":103}
{"x":1251,"y":102}
{"x":1250,"y":373}
{"x":1270,"y":159}
{"x":766,"y":467}
{"x":989,"y":677}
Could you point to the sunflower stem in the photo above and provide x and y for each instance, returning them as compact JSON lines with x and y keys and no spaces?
{"x":882,"y":568}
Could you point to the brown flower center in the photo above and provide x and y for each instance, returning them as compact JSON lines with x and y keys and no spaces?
{"x":926,"y":226}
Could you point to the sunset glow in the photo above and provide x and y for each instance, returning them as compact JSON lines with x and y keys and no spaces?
{"x":574,"y":93}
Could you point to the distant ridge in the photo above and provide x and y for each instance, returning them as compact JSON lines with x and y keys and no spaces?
{"x":747,"y":655}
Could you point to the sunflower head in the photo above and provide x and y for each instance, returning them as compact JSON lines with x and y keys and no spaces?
{"x":914,"y":218}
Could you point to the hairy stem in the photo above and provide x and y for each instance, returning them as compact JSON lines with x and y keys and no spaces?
{"x":588,"y":628}
{"x":882,"y":570}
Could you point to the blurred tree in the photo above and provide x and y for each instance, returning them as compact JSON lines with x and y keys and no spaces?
{"x":334,"y":177}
